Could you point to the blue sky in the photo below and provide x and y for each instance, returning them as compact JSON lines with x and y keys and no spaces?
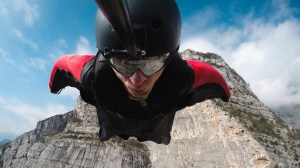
{"x":260,"y":39}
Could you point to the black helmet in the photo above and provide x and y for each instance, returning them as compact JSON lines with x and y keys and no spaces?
{"x":156,"y":25}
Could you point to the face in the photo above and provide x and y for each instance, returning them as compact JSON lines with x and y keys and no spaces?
{"x":139,"y":85}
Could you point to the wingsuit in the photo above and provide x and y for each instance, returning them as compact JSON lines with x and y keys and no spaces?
{"x":182,"y":82}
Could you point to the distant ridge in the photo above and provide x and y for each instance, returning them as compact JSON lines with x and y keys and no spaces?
{"x":4,"y":141}
{"x":8,"y":135}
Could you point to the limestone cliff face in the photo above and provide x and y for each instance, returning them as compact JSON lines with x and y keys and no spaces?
{"x":241,"y":133}
{"x":70,"y":140}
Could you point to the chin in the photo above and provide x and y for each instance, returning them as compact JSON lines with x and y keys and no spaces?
{"x":139,"y":95}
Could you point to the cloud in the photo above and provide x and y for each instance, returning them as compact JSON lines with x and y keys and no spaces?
{"x":83,"y":46}
{"x":203,"y":18}
{"x":4,"y":11}
{"x":200,"y":44}
{"x":29,"y":114}
{"x":264,"y":50}
{"x":42,"y":63}
{"x":19,"y":35}
{"x":59,"y":49}
{"x":25,"y":64}
{"x":282,"y":9}
{"x":70,"y":92}
{"x":39,"y":63}
{"x":62,"y":43}
{"x":270,"y":63}
{"x":28,"y":11}
{"x":5,"y":56}
{"x":29,"y":63}
{"x":19,"y":11}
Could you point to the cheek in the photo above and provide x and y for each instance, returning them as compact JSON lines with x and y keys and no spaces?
{"x":121,"y":77}
{"x":155,"y":77}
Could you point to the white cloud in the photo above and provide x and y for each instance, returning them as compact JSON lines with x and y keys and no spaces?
{"x":282,"y":9}
{"x":14,"y":127}
{"x":83,"y":46}
{"x":17,"y":33}
{"x":203,"y":18}
{"x":4,"y":11}
{"x":58,"y":50}
{"x":264,"y":51}
{"x":5,"y":56}
{"x":70,"y":92}
{"x":30,"y":12}
{"x":199,"y":44}
{"x":25,"y":64}
{"x":39,"y":63}
{"x":29,"y":114}
{"x":248,"y":52}
{"x":19,"y":11}
{"x":270,"y":62}
{"x":62,"y":43}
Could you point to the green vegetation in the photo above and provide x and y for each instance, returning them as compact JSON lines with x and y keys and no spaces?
{"x":76,"y":120}
{"x":130,"y":143}
{"x":254,"y":122}
{"x":262,"y":126}
{"x":235,"y":113}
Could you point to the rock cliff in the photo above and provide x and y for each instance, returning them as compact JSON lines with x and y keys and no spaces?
{"x":241,"y":133}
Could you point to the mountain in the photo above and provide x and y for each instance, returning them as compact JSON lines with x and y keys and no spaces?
{"x":290,"y":114}
{"x":7,"y":135}
{"x":240,"y":133}
{"x":4,"y":141}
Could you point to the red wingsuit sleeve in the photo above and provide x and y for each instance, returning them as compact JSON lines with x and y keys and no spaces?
{"x":205,"y":74}
{"x":71,"y":66}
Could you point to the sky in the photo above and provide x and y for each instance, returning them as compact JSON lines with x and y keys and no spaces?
{"x":260,"y":39}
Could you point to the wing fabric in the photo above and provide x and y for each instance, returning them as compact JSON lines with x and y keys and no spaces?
{"x":208,"y":84}
{"x":66,"y":72}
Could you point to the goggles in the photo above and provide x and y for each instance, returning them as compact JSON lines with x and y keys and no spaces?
{"x":148,"y":65}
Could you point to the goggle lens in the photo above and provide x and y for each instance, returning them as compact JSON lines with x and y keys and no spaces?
{"x":149,"y":65}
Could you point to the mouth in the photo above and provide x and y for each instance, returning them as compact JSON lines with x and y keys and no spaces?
{"x":139,"y":92}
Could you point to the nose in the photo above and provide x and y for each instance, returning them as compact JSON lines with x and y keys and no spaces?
{"x":137,"y":78}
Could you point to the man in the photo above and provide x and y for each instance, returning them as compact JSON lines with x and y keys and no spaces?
{"x":138,"y":89}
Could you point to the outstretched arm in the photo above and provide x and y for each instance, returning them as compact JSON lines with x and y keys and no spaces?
{"x":208,"y":83}
{"x":67,"y":71}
